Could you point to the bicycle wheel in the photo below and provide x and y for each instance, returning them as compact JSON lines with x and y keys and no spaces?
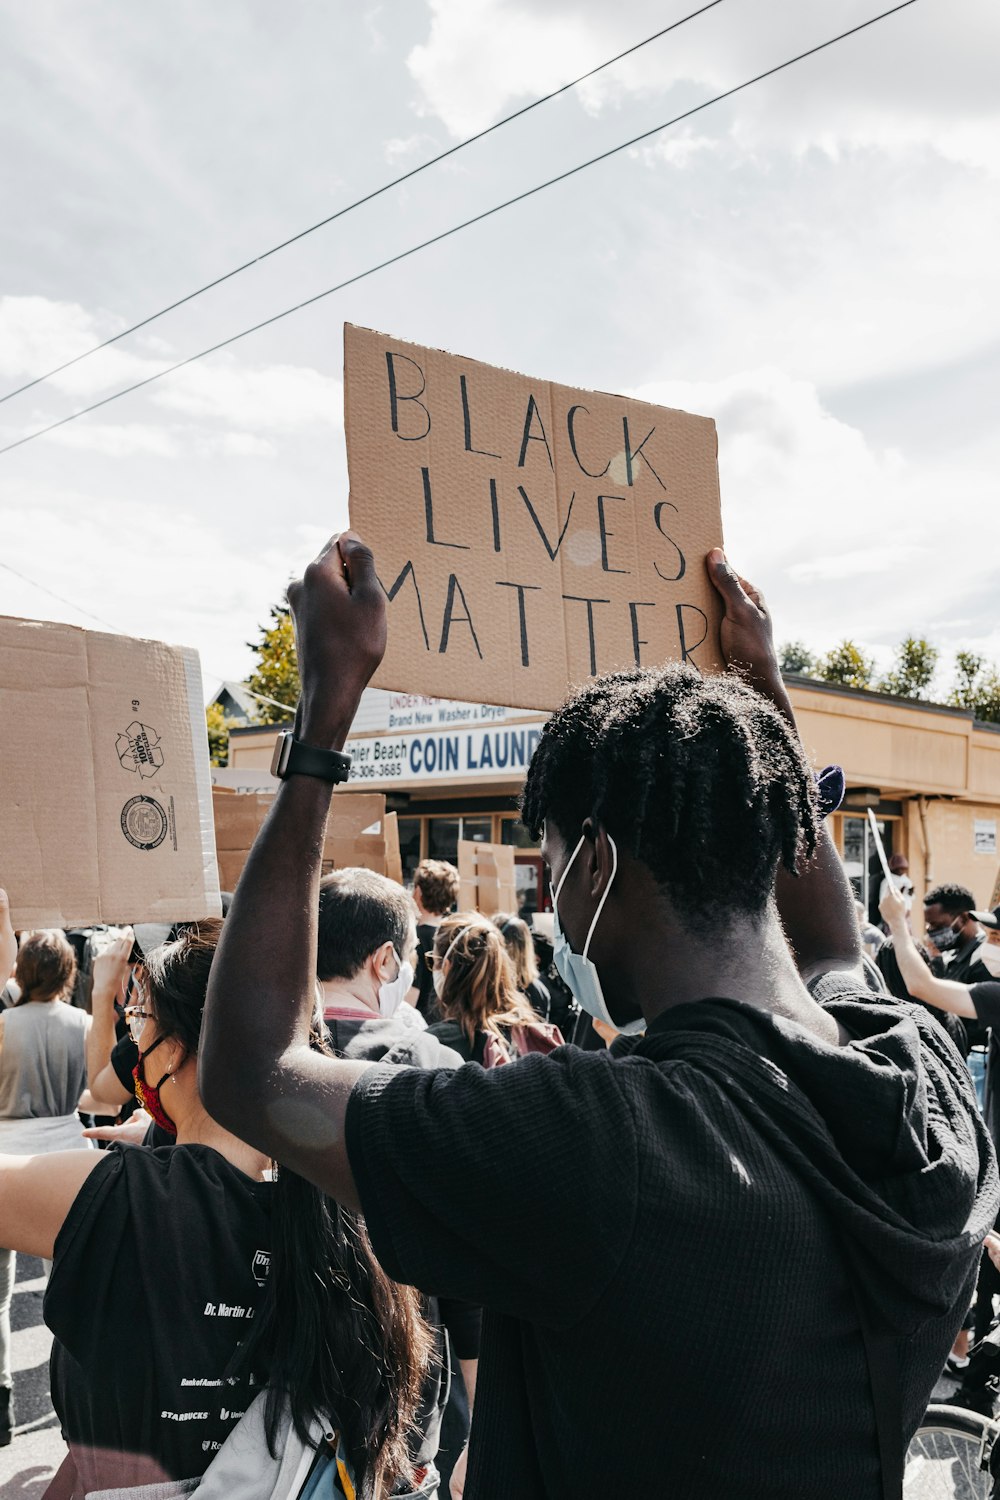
{"x":943,"y":1462}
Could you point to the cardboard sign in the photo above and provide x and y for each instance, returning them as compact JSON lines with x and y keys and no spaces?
{"x":105,"y":797}
{"x":355,"y":830}
{"x":238,"y":819}
{"x":486,"y":881}
{"x":527,"y":536}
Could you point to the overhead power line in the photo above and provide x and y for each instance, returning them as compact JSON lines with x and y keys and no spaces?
{"x":457,"y":228}
{"x":360,"y":202}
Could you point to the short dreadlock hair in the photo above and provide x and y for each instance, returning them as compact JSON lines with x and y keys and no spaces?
{"x":700,"y":778}
{"x":953,"y":899}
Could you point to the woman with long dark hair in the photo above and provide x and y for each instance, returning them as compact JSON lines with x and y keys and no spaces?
{"x":220,"y":1279}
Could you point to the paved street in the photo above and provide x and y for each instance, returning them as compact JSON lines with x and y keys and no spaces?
{"x":37,"y":1450}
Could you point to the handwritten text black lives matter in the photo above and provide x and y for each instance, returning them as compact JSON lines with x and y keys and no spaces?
{"x":529,"y":510}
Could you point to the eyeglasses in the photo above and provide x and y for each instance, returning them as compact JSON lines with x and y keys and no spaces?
{"x":135,"y":1019}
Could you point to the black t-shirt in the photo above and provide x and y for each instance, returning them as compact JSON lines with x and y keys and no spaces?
{"x":655,"y":1236}
{"x":168,"y":1250}
{"x":985,"y":996}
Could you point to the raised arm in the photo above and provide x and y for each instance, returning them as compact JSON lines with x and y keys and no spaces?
{"x":256,"y":1072}
{"x":111,"y":969}
{"x":946,"y":994}
{"x":817,"y":906}
{"x":8,"y":942}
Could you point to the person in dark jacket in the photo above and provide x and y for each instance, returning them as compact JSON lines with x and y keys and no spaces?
{"x":780,"y":1175}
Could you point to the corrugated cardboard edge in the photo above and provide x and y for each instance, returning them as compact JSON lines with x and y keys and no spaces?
{"x":203,"y":781}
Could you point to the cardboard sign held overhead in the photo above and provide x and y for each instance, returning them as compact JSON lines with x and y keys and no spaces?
{"x":527,"y":535}
{"x":105,"y":797}
{"x":486,"y":881}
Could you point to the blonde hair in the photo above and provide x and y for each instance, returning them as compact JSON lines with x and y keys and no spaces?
{"x":479,"y":990}
{"x":520,"y":948}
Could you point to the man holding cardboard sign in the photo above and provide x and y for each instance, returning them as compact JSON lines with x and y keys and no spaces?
{"x":754,"y":1176}
{"x":527,"y":535}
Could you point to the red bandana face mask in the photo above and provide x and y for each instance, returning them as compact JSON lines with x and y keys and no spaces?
{"x":148,"y":1094}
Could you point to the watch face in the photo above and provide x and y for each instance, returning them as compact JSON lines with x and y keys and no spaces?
{"x":282,"y":750}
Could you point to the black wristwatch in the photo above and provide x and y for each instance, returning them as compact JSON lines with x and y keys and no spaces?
{"x":294,"y":758}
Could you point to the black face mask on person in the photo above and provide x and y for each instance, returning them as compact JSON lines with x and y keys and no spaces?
{"x":944,"y":938}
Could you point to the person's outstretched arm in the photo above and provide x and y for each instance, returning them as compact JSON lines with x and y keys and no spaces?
{"x":111,"y":969}
{"x":256,"y":1072}
{"x":946,"y":994}
{"x":817,"y":906}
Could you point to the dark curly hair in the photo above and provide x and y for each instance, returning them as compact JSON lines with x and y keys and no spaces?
{"x":953,"y":899}
{"x":699,"y":778}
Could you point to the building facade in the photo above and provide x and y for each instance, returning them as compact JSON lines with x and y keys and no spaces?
{"x":454,"y":770}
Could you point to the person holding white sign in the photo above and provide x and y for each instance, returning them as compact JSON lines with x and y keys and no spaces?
{"x":700,"y":1251}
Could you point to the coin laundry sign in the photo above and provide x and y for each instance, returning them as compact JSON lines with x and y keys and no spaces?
{"x":497,"y":753}
{"x":526,"y":535}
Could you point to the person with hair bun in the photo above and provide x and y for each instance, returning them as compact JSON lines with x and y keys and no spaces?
{"x":223,"y":1277}
{"x":43,"y":1072}
{"x":476,"y":988}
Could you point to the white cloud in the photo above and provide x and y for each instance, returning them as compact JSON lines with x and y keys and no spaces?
{"x":274,"y":397}
{"x":924,"y":76}
{"x":116,"y":441}
{"x":836,"y":531}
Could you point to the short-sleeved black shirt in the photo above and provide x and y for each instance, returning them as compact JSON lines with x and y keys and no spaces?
{"x":985,"y":996}
{"x":167,"y":1250}
{"x":655,"y":1235}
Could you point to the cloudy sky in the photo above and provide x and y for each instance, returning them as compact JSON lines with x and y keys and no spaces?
{"x":815,"y":263}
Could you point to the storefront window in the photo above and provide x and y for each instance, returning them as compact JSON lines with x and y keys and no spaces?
{"x":513,"y":831}
{"x":477,"y":830}
{"x":442,"y":839}
{"x":861,"y":861}
{"x":409,"y":845}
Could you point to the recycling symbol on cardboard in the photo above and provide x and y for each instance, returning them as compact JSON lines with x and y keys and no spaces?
{"x":139,"y":749}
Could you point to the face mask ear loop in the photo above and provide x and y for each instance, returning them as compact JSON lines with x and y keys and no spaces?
{"x":562,"y":878}
{"x":607,"y":890}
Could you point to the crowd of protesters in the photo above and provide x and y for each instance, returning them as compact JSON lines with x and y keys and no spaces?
{"x":357,"y":1198}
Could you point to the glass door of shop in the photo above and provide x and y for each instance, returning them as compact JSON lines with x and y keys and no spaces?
{"x":861,"y":861}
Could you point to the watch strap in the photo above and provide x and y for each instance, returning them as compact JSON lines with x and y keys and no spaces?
{"x":301,"y":759}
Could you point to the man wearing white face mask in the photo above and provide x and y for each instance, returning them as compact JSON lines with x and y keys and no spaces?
{"x":367,"y":932}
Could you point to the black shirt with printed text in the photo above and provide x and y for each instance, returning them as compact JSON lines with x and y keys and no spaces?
{"x":167,"y":1250}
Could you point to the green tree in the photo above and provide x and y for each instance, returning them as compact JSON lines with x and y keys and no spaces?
{"x":914,"y":666}
{"x":276,"y":674}
{"x":847,"y":665}
{"x":977,"y":687}
{"x":218,"y":726}
{"x":795,"y":656}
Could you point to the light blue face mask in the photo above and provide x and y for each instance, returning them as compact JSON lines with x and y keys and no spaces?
{"x":576,"y":969}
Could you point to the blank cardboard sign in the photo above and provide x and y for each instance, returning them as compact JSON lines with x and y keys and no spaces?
{"x":105,"y":795}
{"x":527,"y":536}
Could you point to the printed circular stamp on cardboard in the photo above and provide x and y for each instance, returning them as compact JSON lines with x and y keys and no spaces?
{"x":144,"y":822}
